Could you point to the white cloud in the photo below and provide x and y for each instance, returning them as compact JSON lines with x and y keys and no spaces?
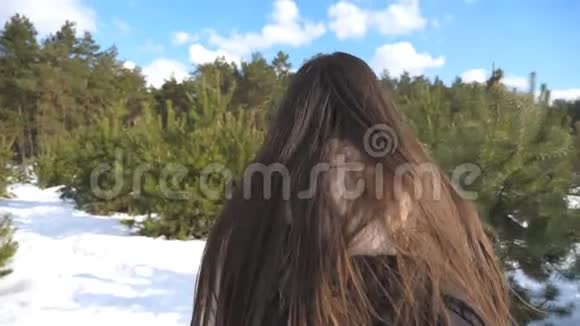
{"x":478,"y":75}
{"x":49,"y":16}
{"x":518,"y":82}
{"x":162,"y":69}
{"x":286,"y":27}
{"x":198,"y":54}
{"x":129,"y":65}
{"x":565,"y":94}
{"x":402,"y":56}
{"x":348,"y":20}
{"x":180,"y":38}
{"x":121,"y":25}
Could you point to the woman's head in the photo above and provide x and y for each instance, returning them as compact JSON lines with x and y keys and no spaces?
{"x":344,"y":217}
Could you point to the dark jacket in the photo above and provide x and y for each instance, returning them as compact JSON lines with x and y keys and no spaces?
{"x":459,"y":312}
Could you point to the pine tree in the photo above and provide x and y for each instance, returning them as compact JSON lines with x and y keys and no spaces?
{"x":212,"y":135}
{"x":8,"y":246}
{"x":281,"y":65}
{"x":61,"y":83}
{"x":258,"y":87}
{"x":520,"y":154}
{"x":5,"y":168}
{"x":229,"y":75}
{"x":18,"y":54}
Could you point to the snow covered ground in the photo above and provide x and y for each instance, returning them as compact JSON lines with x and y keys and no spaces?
{"x":73,"y":268}
{"x":569,"y":294}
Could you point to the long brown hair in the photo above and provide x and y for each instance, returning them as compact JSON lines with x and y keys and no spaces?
{"x":288,"y":237}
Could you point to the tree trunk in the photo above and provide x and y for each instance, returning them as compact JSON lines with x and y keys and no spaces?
{"x":21,"y":137}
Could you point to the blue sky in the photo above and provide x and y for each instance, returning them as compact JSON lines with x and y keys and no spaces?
{"x":447,"y":38}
